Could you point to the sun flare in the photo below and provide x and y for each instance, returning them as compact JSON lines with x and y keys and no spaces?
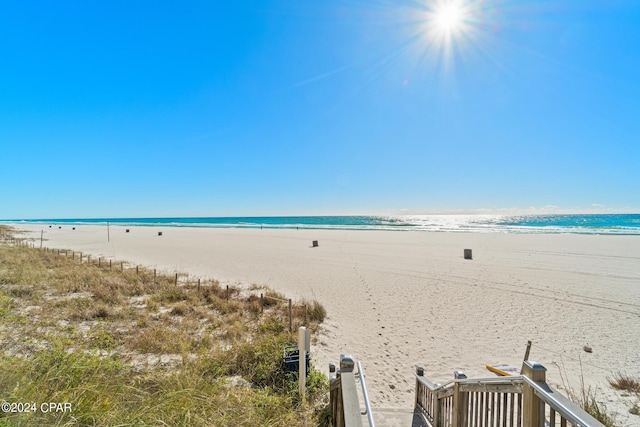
{"x":448,"y":17}
{"x":448,"y":28}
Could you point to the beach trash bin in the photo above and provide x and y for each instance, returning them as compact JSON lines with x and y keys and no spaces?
{"x":467,"y":254}
{"x":291,"y":359}
{"x":314,"y":243}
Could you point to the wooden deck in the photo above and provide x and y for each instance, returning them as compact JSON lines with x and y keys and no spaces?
{"x":515,"y":401}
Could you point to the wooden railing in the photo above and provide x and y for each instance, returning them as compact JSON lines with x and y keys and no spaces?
{"x":521,"y":401}
{"x":343,"y":395}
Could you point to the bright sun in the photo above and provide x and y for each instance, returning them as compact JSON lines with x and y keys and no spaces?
{"x":448,"y":29}
{"x":449,"y":25}
{"x":448,"y":17}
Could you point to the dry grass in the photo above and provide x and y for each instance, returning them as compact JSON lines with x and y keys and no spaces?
{"x":624,"y":382}
{"x":587,"y":398}
{"x":75,"y":332}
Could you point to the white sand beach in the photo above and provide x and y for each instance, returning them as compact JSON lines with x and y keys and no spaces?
{"x":398,"y":299}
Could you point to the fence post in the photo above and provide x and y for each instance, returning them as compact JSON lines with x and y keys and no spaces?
{"x":532,"y":406}
{"x":176,"y":279}
{"x":290,"y":316}
{"x":460,"y":401}
{"x":261,"y":303}
{"x":227,"y":292}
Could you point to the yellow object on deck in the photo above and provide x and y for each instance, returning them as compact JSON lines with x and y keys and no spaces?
{"x":504,"y":370}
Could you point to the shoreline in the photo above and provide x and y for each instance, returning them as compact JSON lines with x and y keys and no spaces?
{"x":626,"y":224}
{"x":396,"y":300}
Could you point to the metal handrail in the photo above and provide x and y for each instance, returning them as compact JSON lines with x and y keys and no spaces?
{"x":567,"y":409}
{"x":365,"y":396}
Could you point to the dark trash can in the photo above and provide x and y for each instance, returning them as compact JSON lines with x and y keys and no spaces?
{"x":291,"y":359}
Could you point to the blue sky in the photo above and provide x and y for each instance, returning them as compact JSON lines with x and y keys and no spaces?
{"x":265,"y":107}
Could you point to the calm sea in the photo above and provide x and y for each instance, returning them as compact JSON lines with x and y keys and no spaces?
{"x":581,"y":224}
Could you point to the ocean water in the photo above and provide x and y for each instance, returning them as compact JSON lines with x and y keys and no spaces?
{"x":628,"y":224}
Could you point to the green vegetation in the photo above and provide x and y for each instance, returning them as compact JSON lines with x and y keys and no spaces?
{"x":133,"y":348}
{"x":587,"y":400}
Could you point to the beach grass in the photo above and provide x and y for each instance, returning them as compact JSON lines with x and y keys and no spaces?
{"x":129,"y":346}
{"x":625,"y":382}
{"x":588,"y":398}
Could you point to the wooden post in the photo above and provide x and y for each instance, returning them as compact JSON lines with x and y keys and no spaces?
{"x":261,"y":303}
{"x":305,"y":315}
{"x":122,"y":266}
{"x":154,"y":276}
{"x":436,"y":409}
{"x":460,"y":401}
{"x":198,"y":285}
{"x":526,"y":353}
{"x":348,"y":399}
{"x":334,"y":391}
{"x":419,"y":373}
{"x":176,"y":279}
{"x":109,"y":263}
{"x":137,"y":270}
{"x":227,"y":292}
{"x":99,"y":262}
{"x":80,"y":257}
{"x":532,"y":406}
{"x":41,"y":234}
{"x":290,"y":316}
